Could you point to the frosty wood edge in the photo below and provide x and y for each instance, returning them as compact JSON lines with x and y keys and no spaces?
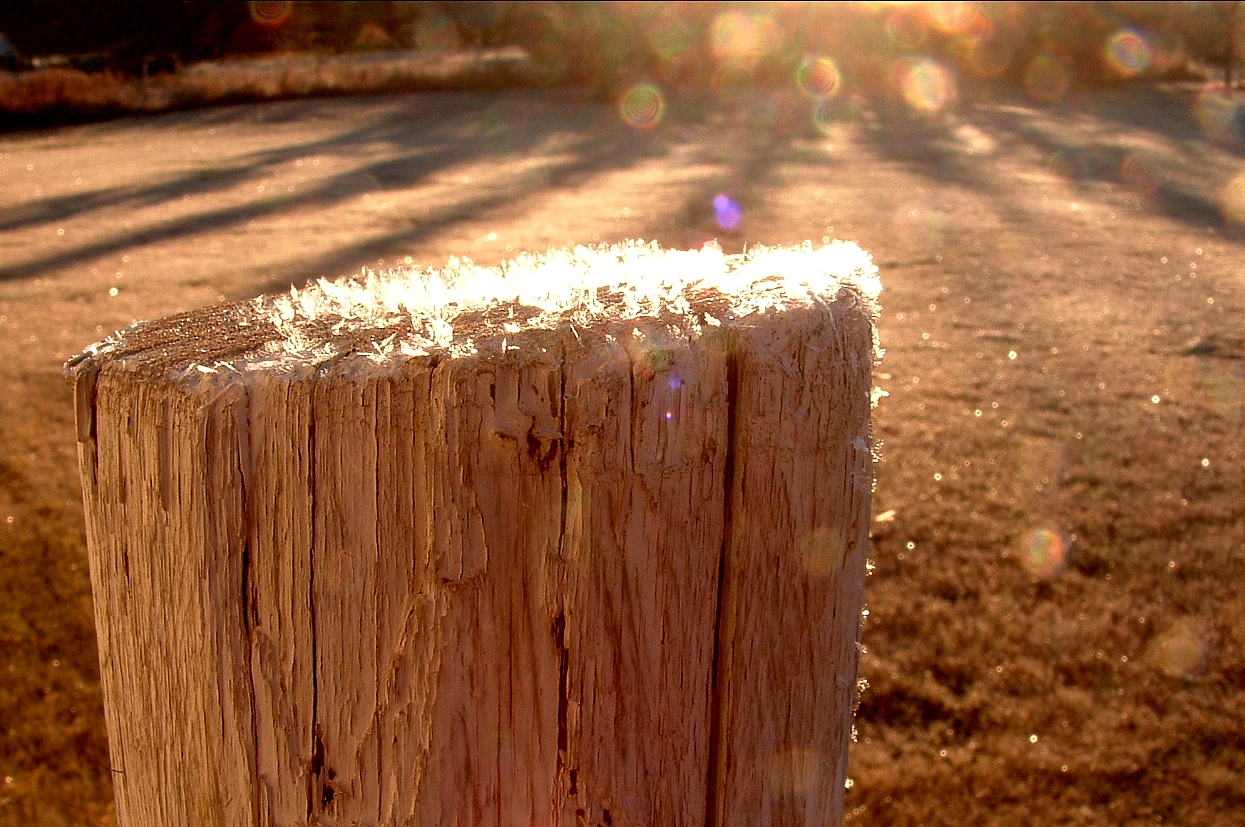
{"x":575,"y":540}
{"x":416,"y":312}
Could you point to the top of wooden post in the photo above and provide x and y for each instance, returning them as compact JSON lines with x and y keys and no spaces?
{"x":392,"y":315}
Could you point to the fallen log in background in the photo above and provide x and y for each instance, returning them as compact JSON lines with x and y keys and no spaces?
{"x":577,"y":540}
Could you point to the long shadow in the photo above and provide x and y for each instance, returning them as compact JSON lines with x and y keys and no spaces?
{"x":1160,"y":116}
{"x":206,"y":181}
{"x":425,"y":134}
{"x":1181,"y":114}
{"x":593,"y":154}
{"x":1156,"y":114}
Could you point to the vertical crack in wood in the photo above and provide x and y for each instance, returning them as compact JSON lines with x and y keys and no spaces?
{"x":632,"y":410}
{"x":250,"y":596}
{"x":724,"y":612}
{"x":85,"y":416}
{"x":245,"y":470}
{"x":314,"y":782}
{"x":559,"y":622}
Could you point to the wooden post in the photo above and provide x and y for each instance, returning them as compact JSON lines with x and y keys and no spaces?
{"x":576,"y":541}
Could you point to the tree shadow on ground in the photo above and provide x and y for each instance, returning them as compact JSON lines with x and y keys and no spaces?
{"x":413,"y":139}
{"x":1158,"y":143}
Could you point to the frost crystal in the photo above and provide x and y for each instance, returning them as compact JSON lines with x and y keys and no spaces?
{"x":632,"y":280}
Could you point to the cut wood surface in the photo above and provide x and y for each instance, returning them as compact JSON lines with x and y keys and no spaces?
{"x":579,"y":540}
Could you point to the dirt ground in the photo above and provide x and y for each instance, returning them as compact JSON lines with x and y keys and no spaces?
{"x":1057,"y":627}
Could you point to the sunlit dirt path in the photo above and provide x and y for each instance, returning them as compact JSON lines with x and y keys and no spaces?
{"x":1056,"y":629}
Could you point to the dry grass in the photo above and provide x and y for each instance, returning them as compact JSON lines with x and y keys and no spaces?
{"x":59,"y":94}
{"x":1041,"y":295}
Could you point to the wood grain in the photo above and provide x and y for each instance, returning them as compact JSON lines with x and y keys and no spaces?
{"x":576,"y":576}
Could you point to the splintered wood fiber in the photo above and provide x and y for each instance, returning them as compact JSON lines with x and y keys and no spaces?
{"x":579,"y":540}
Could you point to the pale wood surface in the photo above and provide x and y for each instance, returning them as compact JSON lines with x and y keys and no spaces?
{"x":582,"y":576}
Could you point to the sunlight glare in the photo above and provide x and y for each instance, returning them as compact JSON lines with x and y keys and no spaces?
{"x":643,"y":106}
{"x":926,"y":84}
{"x":1128,"y":53}
{"x":1232,"y":200}
{"x":818,"y":77}
{"x":270,"y":13}
{"x":579,"y":286}
{"x":1044,"y":553}
{"x":742,"y":39}
{"x":727,"y":212}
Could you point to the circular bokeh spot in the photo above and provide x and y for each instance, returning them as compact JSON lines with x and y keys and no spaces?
{"x":1218,"y":114}
{"x":743,"y":38}
{"x":831,"y":115}
{"x":270,"y":12}
{"x":1138,"y":176}
{"x":435,"y":32}
{"x":988,"y":57}
{"x":1047,"y":78}
{"x":794,"y":770}
{"x":1128,"y":53}
{"x":905,"y":30}
{"x":673,"y":38}
{"x":818,"y":77}
{"x":821,"y":552}
{"x":1044,"y":554}
{"x":1232,"y":201}
{"x":926,"y":84}
{"x":727,"y":212}
{"x":1181,"y":651}
{"x":919,"y":224}
{"x":1068,"y":163}
{"x":643,"y":106}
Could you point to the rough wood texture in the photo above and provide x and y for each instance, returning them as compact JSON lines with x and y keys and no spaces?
{"x":600,"y":567}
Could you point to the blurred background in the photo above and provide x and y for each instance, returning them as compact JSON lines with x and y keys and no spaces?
{"x":1054,"y":194}
{"x":87,"y":51}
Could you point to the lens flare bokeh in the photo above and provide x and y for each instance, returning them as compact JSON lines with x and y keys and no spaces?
{"x":435,"y":33}
{"x":987,"y":57}
{"x":672,"y":38}
{"x":1069,"y":163}
{"x":905,"y":29}
{"x":831,"y":115}
{"x":1232,"y":201}
{"x":643,"y":106}
{"x":1128,"y":53}
{"x":726,"y":212}
{"x":1044,"y":553}
{"x":919,"y":224}
{"x":818,"y":77}
{"x":1219,"y":114}
{"x":926,"y":84}
{"x":1137,"y":175}
{"x":821,"y":552}
{"x":743,"y":39}
{"x":1047,"y":78}
{"x":270,"y":13}
{"x":1181,"y":651}
{"x":794,"y":770}
{"x":961,"y":18}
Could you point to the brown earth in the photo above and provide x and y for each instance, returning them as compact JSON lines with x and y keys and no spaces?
{"x":1057,"y":628}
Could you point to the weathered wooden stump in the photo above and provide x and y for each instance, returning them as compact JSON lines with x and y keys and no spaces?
{"x":576,"y":541}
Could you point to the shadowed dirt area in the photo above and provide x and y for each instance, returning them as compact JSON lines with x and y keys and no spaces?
{"x":1057,"y":629}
